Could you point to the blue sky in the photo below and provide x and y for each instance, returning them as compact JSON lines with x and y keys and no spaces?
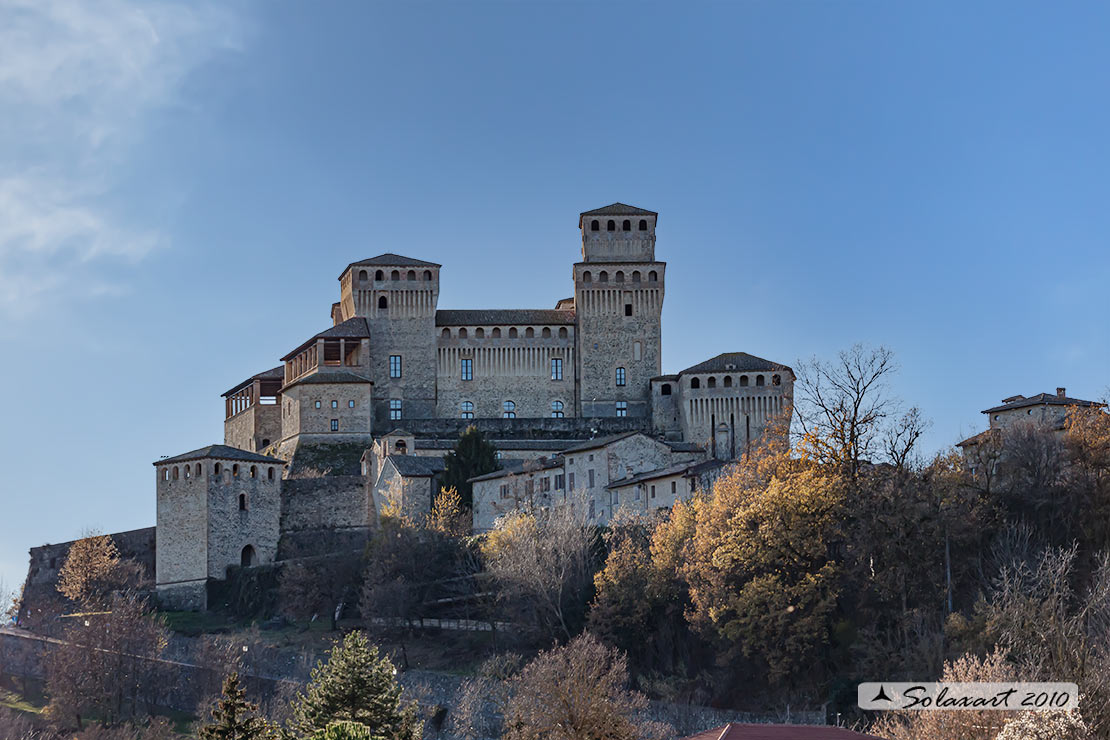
{"x":181,"y":184}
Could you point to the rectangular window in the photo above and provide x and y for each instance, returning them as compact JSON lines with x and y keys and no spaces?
{"x":504,"y":491}
{"x":395,"y":366}
{"x":335,"y":404}
{"x":628,"y":309}
{"x":620,"y":376}
{"x":653,"y":491}
{"x":317,"y":404}
{"x":590,"y":473}
{"x":335,"y":425}
{"x":395,"y":409}
{"x":350,"y":404}
{"x":570,"y":480}
{"x":545,"y":484}
{"x":556,"y":368}
{"x":674,"y":486}
{"x":529,"y":487}
{"x":622,"y":408}
{"x":560,"y":481}
{"x":467,"y":369}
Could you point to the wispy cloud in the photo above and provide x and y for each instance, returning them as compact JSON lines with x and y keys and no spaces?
{"x":78,"y":80}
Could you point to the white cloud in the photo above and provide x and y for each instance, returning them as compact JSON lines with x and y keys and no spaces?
{"x":77,"y":82}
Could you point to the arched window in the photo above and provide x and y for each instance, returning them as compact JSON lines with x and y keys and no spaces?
{"x":379,"y":275}
{"x":265,"y":443}
{"x":383,"y":304}
{"x":446,"y":333}
{"x":395,"y":275}
{"x":176,"y":472}
{"x":462,"y":333}
{"x":603,"y":277}
{"x":235,"y":470}
{"x":562,"y":332}
{"x":653,"y":276}
{"x":643,"y":224}
{"x":635,"y":276}
{"x":612,"y":225}
{"x":198,"y":470}
{"x":777,"y":380}
{"x":587,"y":277}
{"x":248,"y":558}
{"x":594,"y":226}
{"x":270,"y":473}
{"x":627,"y":225}
{"x":410,"y":275}
{"x":512,"y":333}
{"x":556,"y":409}
{"x":546,"y":333}
{"x":665,"y":389}
{"x":496,"y":333}
{"x":467,"y":409}
{"x":479,"y":333}
{"x":362,"y":276}
{"x":728,"y":381}
{"x":619,"y":277}
{"x":695,"y":383}
{"x":759,"y":380}
{"x":427,"y":274}
{"x":185,"y":471}
{"x":401,"y":448}
{"x":242,"y":502}
{"x":529,"y":333}
{"x":743,"y":381}
{"x":508,"y":410}
{"x":712,"y":383}
{"x":254,"y":471}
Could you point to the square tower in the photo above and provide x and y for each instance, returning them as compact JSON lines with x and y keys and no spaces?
{"x":618,"y":300}
{"x":218,"y":506}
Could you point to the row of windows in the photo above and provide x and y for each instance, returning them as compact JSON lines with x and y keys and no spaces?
{"x":495,"y":333}
{"x":618,"y":276}
{"x":611,"y":225}
{"x":191,"y":471}
{"x":363,"y":275}
{"x":335,"y":404}
{"x":712,"y":381}
{"x":530,"y":486}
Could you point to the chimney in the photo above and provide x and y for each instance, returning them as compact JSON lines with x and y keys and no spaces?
{"x":1061,"y":392}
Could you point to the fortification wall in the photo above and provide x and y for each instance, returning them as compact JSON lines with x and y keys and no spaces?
{"x":325,"y":514}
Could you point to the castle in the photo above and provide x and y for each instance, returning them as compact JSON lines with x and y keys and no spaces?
{"x":366,"y":409}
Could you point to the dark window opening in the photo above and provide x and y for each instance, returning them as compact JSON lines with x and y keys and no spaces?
{"x":643,"y":224}
{"x":242,"y":502}
{"x":612,"y":225}
{"x":248,"y":558}
{"x":665,"y":389}
{"x":628,"y":309}
{"x":594,"y":226}
{"x":383,"y":303}
{"x":627,"y":225}
{"x":695,"y":383}
{"x":379,"y":275}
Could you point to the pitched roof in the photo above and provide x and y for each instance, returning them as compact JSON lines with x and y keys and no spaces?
{"x":328,"y":377}
{"x":223,"y":452}
{"x":501,"y":444}
{"x":392,"y":260}
{"x":736,"y":731}
{"x":504,"y":316}
{"x":356,"y":328}
{"x":978,"y":438}
{"x":684,"y":468}
{"x":618,"y":209}
{"x":683,"y":446}
{"x":277,"y":373}
{"x":735,"y":362}
{"x":599,"y":442}
{"x":517,"y":467}
{"x":1042,"y":399}
{"x":412,"y":466}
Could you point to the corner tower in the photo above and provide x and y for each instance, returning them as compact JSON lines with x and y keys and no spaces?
{"x":618,"y":300}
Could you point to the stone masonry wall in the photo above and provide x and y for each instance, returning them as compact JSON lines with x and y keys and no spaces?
{"x":321,"y":514}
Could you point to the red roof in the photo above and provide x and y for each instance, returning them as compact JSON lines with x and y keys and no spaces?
{"x":735,"y":731}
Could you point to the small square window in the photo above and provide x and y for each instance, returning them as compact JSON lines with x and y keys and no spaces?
{"x":622,"y":408}
{"x":317,"y":404}
{"x":350,"y":404}
{"x":335,"y":404}
{"x":335,"y":425}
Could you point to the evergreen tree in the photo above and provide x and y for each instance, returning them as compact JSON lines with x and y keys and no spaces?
{"x":346,"y":731}
{"x":234,"y":717}
{"x":355,"y":685}
{"x":472,"y":456}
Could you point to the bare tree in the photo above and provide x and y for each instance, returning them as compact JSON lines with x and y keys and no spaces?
{"x":320,"y":585}
{"x":577,"y":692}
{"x":543,"y":565}
{"x":899,"y":439}
{"x":841,"y":404}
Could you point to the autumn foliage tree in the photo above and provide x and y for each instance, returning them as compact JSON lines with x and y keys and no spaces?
{"x":93,"y":570}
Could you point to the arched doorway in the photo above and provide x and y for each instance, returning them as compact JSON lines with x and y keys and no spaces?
{"x":248,"y":558}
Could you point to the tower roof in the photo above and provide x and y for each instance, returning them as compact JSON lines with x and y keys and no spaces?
{"x":734,"y":362}
{"x":616,"y":209}
{"x":389,"y":259}
{"x":354,"y":328}
{"x":221,"y":452}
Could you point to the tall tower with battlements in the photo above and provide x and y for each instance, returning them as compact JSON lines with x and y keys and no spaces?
{"x":618,"y":301}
